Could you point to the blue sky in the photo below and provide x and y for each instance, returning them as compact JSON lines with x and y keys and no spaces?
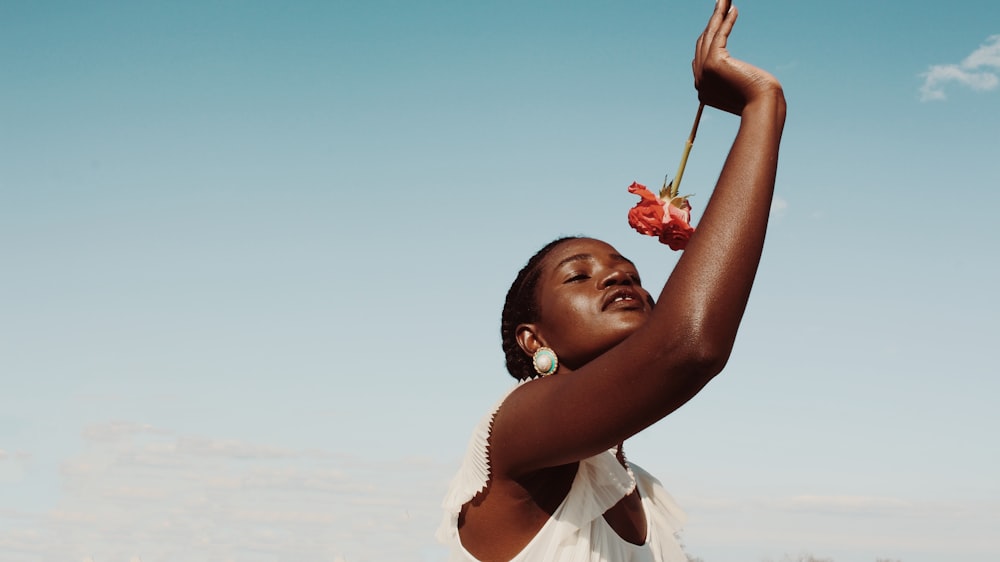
{"x":255,"y":253}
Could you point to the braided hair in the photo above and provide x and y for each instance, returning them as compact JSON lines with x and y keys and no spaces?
{"x":521,"y":307}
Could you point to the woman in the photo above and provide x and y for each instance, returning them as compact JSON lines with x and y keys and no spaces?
{"x":545,"y":477}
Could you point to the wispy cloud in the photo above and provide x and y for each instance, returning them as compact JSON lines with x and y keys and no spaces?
{"x":847,"y":505}
{"x":863,"y":524}
{"x":978,"y":71}
{"x":13,"y":455}
{"x":141,"y":491}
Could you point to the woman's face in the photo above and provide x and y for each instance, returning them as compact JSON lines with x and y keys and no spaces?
{"x":590,"y":299}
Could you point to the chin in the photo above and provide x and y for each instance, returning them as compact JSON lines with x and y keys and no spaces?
{"x":630,"y":322}
{"x":623,"y":331}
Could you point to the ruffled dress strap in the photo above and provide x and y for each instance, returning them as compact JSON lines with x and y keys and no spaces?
{"x":473,"y":475}
{"x":664,"y":517}
{"x":601,"y":482}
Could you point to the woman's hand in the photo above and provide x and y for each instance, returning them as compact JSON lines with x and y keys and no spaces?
{"x":724,"y":82}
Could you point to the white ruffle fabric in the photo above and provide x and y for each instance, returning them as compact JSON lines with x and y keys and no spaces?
{"x":577,"y":531}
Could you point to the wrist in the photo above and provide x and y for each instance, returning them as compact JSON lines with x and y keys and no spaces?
{"x":768,"y":104}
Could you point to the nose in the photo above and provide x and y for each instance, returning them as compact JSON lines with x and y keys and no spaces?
{"x":614,"y":277}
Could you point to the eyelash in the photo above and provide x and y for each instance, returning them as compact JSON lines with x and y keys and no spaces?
{"x":583,"y":276}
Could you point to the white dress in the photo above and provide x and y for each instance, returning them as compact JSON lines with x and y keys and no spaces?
{"x":577,"y":531}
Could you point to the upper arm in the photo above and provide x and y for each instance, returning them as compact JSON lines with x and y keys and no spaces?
{"x":568,"y":417}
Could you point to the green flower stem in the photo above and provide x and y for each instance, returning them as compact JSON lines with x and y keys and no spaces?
{"x":675,"y":185}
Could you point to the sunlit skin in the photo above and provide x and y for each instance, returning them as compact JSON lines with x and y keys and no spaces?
{"x":623,"y":363}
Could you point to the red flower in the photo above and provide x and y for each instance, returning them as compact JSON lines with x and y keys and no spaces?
{"x":668,"y":219}
{"x":647,"y":215}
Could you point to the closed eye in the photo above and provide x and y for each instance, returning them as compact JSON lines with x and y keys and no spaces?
{"x":577,"y":277}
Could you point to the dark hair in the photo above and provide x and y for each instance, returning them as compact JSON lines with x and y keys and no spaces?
{"x":521,"y":307}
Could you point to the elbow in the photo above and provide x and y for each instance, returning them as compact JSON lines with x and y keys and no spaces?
{"x":702,"y":359}
{"x":704,"y":363}
{"x":705,"y":343}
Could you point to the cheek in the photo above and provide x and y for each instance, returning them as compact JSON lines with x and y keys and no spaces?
{"x":580,"y":308}
{"x":572,"y":332}
{"x":569,"y":316}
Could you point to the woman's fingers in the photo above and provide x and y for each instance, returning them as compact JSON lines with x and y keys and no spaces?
{"x":721,"y":37}
{"x":718,"y":14}
{"x":707,"y":41}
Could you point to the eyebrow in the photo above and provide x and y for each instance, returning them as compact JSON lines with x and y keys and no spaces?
{"x":585,"y":257}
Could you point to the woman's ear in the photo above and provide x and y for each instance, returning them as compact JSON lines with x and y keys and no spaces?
{"x":528,"y":338}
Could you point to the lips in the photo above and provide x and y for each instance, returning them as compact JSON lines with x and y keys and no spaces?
{"x":623,"y":297}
